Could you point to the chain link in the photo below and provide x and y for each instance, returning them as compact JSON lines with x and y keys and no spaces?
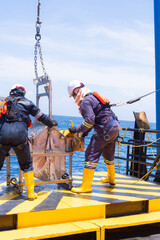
{"x":41,"y":59}
{"x":35,"y":61}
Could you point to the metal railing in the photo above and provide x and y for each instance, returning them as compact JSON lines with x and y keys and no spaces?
{"x":141,"y":155}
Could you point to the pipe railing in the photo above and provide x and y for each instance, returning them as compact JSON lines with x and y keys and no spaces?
{"x":139,"y":156}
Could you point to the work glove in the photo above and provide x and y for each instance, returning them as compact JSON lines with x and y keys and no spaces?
{"x":55,"y":123}
{"x":84,"y":134}
{"x":72,"y":129}
{"x":47,"y":121}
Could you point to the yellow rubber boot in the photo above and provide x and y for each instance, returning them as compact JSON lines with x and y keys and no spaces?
{"x":29,"y":181}
{"x":111,"y":175}
{"x":86,"y":182}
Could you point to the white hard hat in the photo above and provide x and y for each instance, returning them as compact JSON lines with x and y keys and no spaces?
{"x":73,"y":85}
{"x":18,"y":86}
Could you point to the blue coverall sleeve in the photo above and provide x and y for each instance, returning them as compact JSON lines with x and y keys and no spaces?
{"x":87,"y":114}
{"x":35,"y":112}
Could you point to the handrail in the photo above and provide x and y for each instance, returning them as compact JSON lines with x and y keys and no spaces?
{"x":141,"y":130}
{"x":140,"y":154}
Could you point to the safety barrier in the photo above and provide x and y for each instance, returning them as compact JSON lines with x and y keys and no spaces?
{"x":142,"y":155}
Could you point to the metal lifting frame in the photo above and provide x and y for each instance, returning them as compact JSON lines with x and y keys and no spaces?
{"x":44,"y":80}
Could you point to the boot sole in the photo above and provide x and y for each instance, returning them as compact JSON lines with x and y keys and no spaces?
{"x":85,"y":191}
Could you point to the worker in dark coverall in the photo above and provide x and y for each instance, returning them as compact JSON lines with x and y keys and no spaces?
{"x":106,"y":130}
{"x":14,"y":132}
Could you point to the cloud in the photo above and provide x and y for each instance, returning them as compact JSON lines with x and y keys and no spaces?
{"x":18,"y":39}
{"x":113,"y":76}
{"x":120,"y":59}
{"x":16,"y":68}
{"x":95,"y":43}
{"x":131,"y":45}
{"x":122,"y":77}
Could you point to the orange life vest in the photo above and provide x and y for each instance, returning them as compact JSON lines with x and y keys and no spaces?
{"x":3,"y":108}
{"x":101,"y":98}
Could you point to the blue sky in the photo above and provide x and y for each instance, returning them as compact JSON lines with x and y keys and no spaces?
{"x":108,"y":45}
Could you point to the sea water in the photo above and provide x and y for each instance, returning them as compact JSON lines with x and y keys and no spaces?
{"x":79,"y":157}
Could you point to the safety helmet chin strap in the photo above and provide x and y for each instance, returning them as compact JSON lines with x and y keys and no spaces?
{"x":74,"y":95}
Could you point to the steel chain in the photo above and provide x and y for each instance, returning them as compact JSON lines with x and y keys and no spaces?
{"x":38,"y":45}
{"x":41,"y":59}
{"x":35,"y":61}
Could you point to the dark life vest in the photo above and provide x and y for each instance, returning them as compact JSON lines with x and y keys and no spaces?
{"x":13,"y":113}
{"x":9,"y":111}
